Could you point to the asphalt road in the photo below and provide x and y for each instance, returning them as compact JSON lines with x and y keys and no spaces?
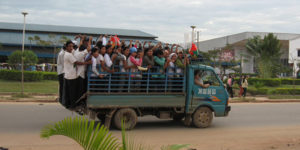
{"x":31,"y":117}
{"x":264,"y":121}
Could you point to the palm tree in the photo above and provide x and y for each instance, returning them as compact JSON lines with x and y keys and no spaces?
{"x":95,"y":138}
{"x":30,"y":40}
{"x":52,"y":41}
{"x":267,"y":54}
{"x":83,"y":132}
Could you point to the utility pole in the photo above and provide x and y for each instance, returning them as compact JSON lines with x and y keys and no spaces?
{"x":22,"y":80}
{"x":193,"y":36}
{"x":198,"y":35}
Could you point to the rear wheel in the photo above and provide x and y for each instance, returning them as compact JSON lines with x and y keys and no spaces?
{"x":202,"y":117}
{"x":129,"y":117}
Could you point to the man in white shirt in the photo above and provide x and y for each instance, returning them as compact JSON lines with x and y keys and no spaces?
{"x":71,"y":94}
{"x":80,"y":55}
{"x":60,"y":71}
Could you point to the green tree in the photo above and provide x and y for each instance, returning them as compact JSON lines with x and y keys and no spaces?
{"x":15,"y":58}
{"x":30,"y":40}
{"x":214,"y":56}
{"x":267,"y":54}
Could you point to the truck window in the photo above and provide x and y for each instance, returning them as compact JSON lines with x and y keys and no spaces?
{"x":208,"y":77}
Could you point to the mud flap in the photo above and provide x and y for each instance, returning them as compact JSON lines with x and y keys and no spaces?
{"x":188,"y":119}
{"x":108,"y":117}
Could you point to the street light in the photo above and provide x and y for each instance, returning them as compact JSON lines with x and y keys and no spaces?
{"x":22,"y":81}
{"x":193,"y":28}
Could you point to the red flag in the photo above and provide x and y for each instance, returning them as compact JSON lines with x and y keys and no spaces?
{"x":193,"y":49}
{"x":115,"y":39}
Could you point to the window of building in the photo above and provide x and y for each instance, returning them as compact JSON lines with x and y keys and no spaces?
{"x":298,"y":52}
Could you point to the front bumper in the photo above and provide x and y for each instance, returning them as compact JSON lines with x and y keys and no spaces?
{"x":227,"y":110}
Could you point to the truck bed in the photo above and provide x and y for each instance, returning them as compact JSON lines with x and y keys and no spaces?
{"x":107,"y":101}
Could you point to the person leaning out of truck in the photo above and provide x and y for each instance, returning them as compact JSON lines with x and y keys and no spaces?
{"x":198,"y":79}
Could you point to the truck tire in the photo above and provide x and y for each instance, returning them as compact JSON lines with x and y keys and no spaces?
{"x":128,"y":115}
{"x":202,"y":117}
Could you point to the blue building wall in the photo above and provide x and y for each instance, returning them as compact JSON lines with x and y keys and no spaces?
{"x":11,"y":37}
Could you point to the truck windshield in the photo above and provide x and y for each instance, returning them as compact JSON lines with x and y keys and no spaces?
{"x":209,"y":77}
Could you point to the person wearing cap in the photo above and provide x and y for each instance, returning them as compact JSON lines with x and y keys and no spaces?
{"x":70,"y":94}
{"x":133,"y":62}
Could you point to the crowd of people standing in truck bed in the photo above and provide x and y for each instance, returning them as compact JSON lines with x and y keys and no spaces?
{"x":109,"y":52}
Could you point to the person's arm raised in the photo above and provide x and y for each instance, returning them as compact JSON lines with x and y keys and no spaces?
{"x":149,"y":44}
{"x":82,"y":37}
{"x":130,"y":44}
{"x":100,"y":38}
{"x":89,"y":47}
{"x":136,"y":43}
{"x":167,"y":63}
{"x":144,"y":45}
{"x":156,"y":46}
{"x":171,"y":50}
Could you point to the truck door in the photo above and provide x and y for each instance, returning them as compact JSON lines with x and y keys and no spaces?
{"x":214,"y":94}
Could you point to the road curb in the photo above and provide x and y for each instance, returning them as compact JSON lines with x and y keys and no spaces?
{"x":230,"y":101}
{"x":267,"y":101}
{"x":29,"y":101}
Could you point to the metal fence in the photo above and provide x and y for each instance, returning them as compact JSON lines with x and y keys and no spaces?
{"x":134,"y":81}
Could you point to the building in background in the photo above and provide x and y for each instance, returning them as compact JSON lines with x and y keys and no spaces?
{"x":290,"y":49}
{"x":11,"y":37}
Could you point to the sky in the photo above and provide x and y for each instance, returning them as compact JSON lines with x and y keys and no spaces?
{"x":169,"y":20}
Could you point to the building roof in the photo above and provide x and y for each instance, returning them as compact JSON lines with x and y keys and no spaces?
{"x":74,"y":29}
{"x":231,"y":39}
{"x":11,"y":33}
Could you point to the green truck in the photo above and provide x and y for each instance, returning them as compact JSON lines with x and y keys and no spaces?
{"x":125,"y":96}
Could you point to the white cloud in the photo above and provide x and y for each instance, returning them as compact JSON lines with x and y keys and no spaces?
{"x":167,"y":19}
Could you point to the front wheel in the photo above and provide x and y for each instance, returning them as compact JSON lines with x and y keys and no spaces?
{"x":202,"y":117}
{"x":128,"y":116}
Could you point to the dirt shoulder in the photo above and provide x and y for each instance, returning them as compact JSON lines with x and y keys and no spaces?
{"x":262,"y":138}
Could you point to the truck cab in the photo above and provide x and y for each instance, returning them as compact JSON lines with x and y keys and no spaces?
{"x":202,"y":103}
{"x":124,"y":96}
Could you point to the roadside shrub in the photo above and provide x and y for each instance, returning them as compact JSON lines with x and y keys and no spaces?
{"x":289,"y":81}
{"x":245,"y":74}
{"x":16,"y":75}
{"x":266,"y":82}
{"x":258,"y":85}
{"x":50,"y":76}
{"x":260,"y":91}
{"x":287,"y":91}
